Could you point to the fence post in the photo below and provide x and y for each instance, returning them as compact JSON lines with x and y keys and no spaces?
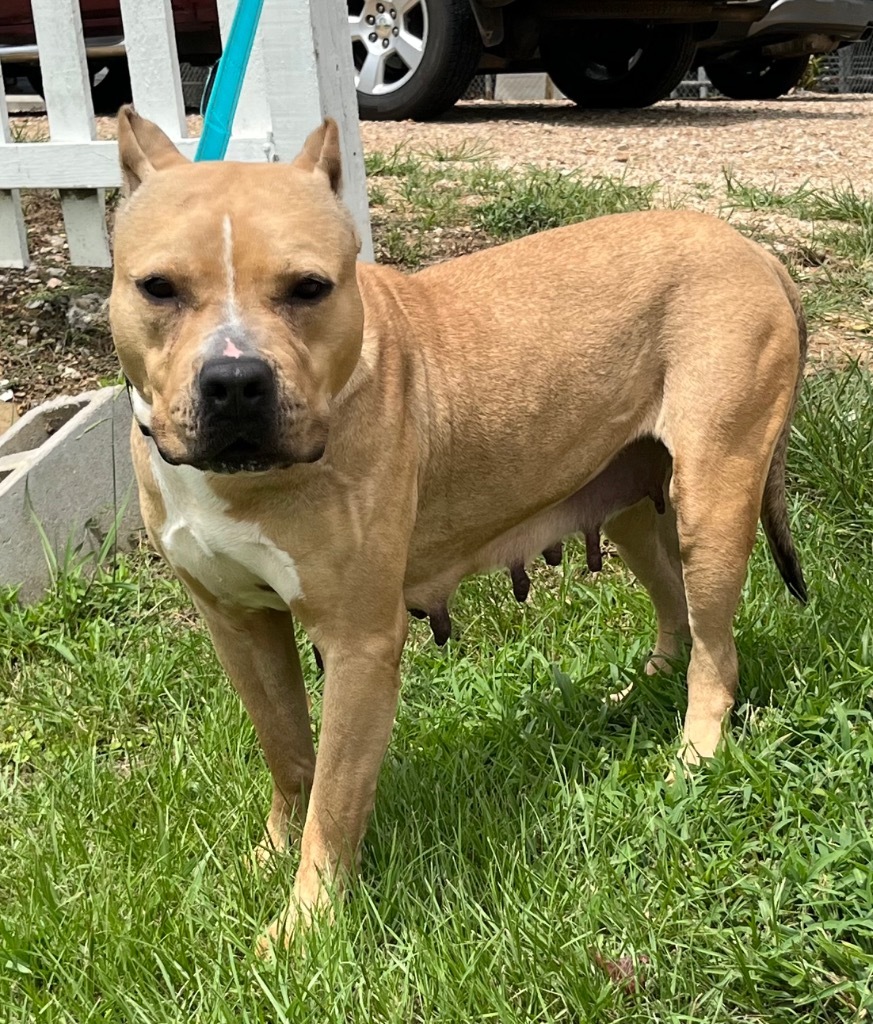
{"x":67,"y":90}
{"x":845,"y":68}
{"x":152,"y":57}
{"x":308,"y":55}
{"x":13,"y":233}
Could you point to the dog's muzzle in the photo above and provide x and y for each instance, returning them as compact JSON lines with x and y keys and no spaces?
{"x":238,"y":415}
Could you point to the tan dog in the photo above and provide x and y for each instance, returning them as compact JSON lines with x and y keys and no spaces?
{"x":339,"y":442}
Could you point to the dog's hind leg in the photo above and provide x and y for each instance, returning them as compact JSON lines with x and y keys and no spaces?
{"x":258,"y":651}
{"x":717,"y":513}
{"x":649,"y":546}
{"x":727,"y":403}
{"x":717,"y":487}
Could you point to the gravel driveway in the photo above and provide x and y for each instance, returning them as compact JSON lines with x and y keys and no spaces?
{"x":809,"y":137}
{"x":812,"y":138}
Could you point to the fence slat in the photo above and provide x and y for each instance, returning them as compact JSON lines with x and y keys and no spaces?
{"x":85,"y":223}
{"x":150,"y":40}
{"x":317,"y":70}
{"x":13,"y":233}
{"x":67,"y":93}
{"x":82,"y":165}
{"x":66,"y":82}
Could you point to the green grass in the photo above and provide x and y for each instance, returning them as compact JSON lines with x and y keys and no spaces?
{"x":543,"y":199}
{"x":523,"y":824}
{"x":833,"y":259}
{"x":419,"y":197}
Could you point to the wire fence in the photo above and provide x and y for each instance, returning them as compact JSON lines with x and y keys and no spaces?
{"x":849,"y":70}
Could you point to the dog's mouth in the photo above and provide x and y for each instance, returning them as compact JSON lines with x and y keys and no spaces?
{"x":242,"y":455}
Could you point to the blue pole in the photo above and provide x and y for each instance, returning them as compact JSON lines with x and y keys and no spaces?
{"x":220,"y":110}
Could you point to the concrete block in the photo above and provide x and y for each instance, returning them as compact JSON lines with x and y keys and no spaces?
{"x":65,"y":472}
{"x":25,"y":104}
{"x":523,"y":88}
{"x":518,"y":88}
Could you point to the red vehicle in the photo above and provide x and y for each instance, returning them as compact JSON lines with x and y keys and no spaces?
{"x":197,"y":39}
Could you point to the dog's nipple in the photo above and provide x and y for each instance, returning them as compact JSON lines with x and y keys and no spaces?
{"x":441,"y":625}
{"x":554,"y":554}
{"x":593,"y":554}
{"x":520,"y":582}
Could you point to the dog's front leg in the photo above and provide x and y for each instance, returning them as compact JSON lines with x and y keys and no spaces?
{"x":258,"y":651}
{"x":362,"y":682}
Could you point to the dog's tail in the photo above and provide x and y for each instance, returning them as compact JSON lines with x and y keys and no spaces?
{"x":774,"y":510}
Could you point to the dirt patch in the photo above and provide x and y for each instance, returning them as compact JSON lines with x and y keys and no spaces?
{"x":54,"y":332}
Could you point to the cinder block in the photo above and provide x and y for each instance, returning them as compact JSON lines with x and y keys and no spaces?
{"x":66,"y":477}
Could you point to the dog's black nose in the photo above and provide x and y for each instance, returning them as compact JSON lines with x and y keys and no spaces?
{"x":234,"y":388}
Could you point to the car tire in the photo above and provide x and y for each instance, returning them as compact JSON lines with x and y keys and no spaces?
{"x":616,"y":64}
{"x":33,"y":74}
{"x":439,"y":37}
{"x":113,"y":89}
{"x":756,"y":77}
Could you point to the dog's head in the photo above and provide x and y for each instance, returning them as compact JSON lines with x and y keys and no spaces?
{"x":235,"y":308}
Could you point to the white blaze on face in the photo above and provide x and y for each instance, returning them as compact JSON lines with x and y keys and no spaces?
{"x":222,"y":341}
{"x":230,"y":271}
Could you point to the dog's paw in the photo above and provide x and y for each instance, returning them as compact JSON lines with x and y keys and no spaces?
{"x":274,"y":844}
{"x":685,"y":772}
{"x":269,"y":942}
{"x":292,"y":925}
{"x":659,"y":664}
{"x":280,"y":933}
{"x":263,"y":857}
{"x":265,"y":947}
{"x":689,"y":763}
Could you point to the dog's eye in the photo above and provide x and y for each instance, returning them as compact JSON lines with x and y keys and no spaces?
{"x":308,"y":289}
{"x":158,"y":288}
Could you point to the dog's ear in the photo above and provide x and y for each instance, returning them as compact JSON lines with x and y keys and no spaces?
{"x":321,"y":152}
{"x":142,"y":149}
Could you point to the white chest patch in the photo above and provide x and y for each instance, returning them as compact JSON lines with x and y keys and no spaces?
{"x":233,"y":560}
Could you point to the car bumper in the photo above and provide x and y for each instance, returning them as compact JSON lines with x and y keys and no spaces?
{"x":838,"y":19}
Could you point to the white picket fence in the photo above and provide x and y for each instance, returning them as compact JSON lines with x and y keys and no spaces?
{"x":300,"y":71}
